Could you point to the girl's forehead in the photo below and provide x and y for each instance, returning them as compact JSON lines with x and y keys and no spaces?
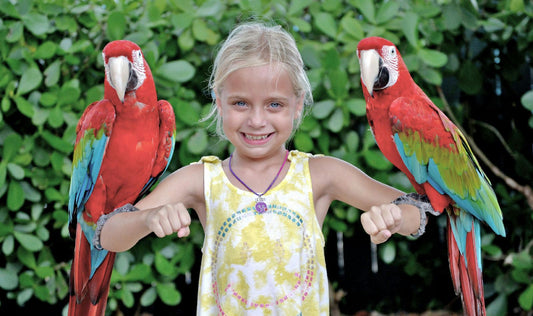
{"x":263,"y":76}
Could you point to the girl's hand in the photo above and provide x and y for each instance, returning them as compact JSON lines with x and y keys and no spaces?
{"x":380,"y":222}
{"x":169,"y":219}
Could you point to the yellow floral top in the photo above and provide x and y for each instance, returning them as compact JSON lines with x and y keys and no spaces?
{"x":269,"y":263}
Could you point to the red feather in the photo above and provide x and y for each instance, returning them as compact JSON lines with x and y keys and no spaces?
{"x":140,"y":143}
{"x":416,"y":137}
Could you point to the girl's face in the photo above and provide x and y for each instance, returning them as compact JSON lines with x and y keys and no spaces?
{"x":258,"y":107}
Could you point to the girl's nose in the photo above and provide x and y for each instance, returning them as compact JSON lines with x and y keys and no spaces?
{"x":257,"y":117}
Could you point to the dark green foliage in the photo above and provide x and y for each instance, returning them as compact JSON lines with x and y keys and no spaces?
{"x":477,"y":53}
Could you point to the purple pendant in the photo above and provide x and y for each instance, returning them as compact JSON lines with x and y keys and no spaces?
{"x":261,"y":207}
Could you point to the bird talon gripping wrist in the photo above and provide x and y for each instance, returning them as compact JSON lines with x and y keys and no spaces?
{"x":423,"y":205}
{"x":102,"y":219}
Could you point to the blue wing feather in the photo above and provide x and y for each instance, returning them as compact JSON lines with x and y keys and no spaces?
{"x":480,"y":202}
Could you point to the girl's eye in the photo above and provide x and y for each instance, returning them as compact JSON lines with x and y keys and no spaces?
{"x":275,"y":105}
{"x":240,"y":103}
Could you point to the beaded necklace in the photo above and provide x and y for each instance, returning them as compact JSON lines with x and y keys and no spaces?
{"x":260,"y":205}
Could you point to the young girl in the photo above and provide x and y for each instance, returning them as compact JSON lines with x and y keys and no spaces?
{"x":262,"y":208}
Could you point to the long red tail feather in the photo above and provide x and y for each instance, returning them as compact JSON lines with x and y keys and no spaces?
{"x":467,"y":278}
{"x":88,"y":296}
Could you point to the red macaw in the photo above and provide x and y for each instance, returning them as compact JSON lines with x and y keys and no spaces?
{"x":123,"y":145}
{"x":418,"y":138}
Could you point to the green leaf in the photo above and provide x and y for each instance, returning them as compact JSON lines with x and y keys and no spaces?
{"x":367,"y":9}
{"x":168,"y":293}
{"x":44,"y":271}
{"x":452,"y":16}
{"x":149,"y":296}
{"x":387,"y":12}
{"x":29,"y":242}
{"x":56,"y":142}
{"x":164,"y":266}
{"x":200,"y":30}
{"x":16,"y":171}
{"x":15,"y":32}
{"x":335,"y":122}
{"x":303,"y":142}
{"x":376,"y":160}
{"x":24,"y":106}
{"x":197,"y":143}
{"x":498,"y":306}
{"x":15,"y":196}
{"x":51,"y":74}
{"x":138,"y":272}
{"x":31,"y":79}
{"x":338,"y":83}
{"x":387,"y":252}
{"x":300,"y":24}
{"x":186,"y":111}
{"x":326,"y":23}
{"x":7,"y":247}
{"x":409,"y":28}
{"x":338,"y":225}
{"x":526,"y":298}
{"x":48,"y":99}
{"x":46,"y":50}
{"x":8,"y":280}
{"x":127,"y":297}
{"x":352,"y":141}
{"x":3,"y":177}
{"x":116,"y":26}
{"x":357,"y":106}
{"x":37,"y":23}
{"x":12,"y":144}
{"x":322,"y":109}
{"x":24,"y":296}
{"x":186,"y":40}
{"x":70,"y":92}
{"x":296,"y":6}
{"x":31,"y":194}
{"x":352,"y":26}
{"x":210,"y":8}
{"x":433,"y":58}
{"x":431,"y":75}
{"x":177,"y":71}
{"x":55,"y":119}
{"x":527,"y":100}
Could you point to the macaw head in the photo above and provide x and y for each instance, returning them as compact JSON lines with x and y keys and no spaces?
{"x":380,"y":63}
{"x":125,"y":68}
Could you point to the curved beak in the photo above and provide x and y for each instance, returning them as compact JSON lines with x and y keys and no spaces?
{"x":119,"y":74}
{"x":370,"y":67}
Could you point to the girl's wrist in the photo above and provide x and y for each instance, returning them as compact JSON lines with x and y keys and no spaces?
{"x":104,"y":218}
{"x":424,"y":206}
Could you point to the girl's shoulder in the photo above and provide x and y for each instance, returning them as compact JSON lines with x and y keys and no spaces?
{"x":208,"y":159}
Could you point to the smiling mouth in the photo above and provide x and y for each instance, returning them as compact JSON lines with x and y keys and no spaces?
{"x":256,"y":137}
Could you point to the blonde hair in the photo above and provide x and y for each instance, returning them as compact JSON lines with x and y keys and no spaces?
{"x":256,"y":44}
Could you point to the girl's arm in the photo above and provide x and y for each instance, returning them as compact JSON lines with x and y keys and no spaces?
{"x":163,"y":211}
{"x":334,"y":179}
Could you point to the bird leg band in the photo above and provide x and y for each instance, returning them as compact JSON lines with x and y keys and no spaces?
{"x":102,"y":219}
{"x":423,"y":205}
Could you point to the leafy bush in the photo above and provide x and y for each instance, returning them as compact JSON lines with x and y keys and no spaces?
{"x":472,"y":58}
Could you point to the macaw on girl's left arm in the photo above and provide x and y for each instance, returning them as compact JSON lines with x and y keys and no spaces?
{"x":418,"y":138}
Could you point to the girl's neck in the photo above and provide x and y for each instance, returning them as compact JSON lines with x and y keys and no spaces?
{"x":257,"y":173}
{"x":247,"y":163}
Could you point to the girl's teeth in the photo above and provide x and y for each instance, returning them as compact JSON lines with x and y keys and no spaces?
{"x":256,"y":137}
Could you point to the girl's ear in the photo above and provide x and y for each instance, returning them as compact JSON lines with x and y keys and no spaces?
{"x":217,"y":102}
{"x":300,"y":106}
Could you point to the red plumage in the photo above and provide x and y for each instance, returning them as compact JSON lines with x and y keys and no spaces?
{"x":418,"y":138}
{"x":124,"y":143}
